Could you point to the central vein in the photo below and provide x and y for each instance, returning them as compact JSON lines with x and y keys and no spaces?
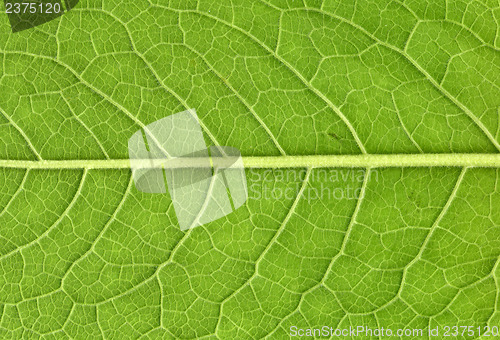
{"x":316,"y":161}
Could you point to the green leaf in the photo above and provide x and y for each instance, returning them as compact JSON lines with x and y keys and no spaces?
{"x":371,"y":135}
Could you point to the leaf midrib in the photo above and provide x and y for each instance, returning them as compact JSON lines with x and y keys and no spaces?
{"x":275,"y":162}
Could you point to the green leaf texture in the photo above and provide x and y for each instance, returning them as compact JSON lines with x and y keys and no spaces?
{"x":84,"y":255}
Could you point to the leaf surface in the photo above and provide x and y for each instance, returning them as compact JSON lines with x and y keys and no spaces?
{"x":83,"y":254}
